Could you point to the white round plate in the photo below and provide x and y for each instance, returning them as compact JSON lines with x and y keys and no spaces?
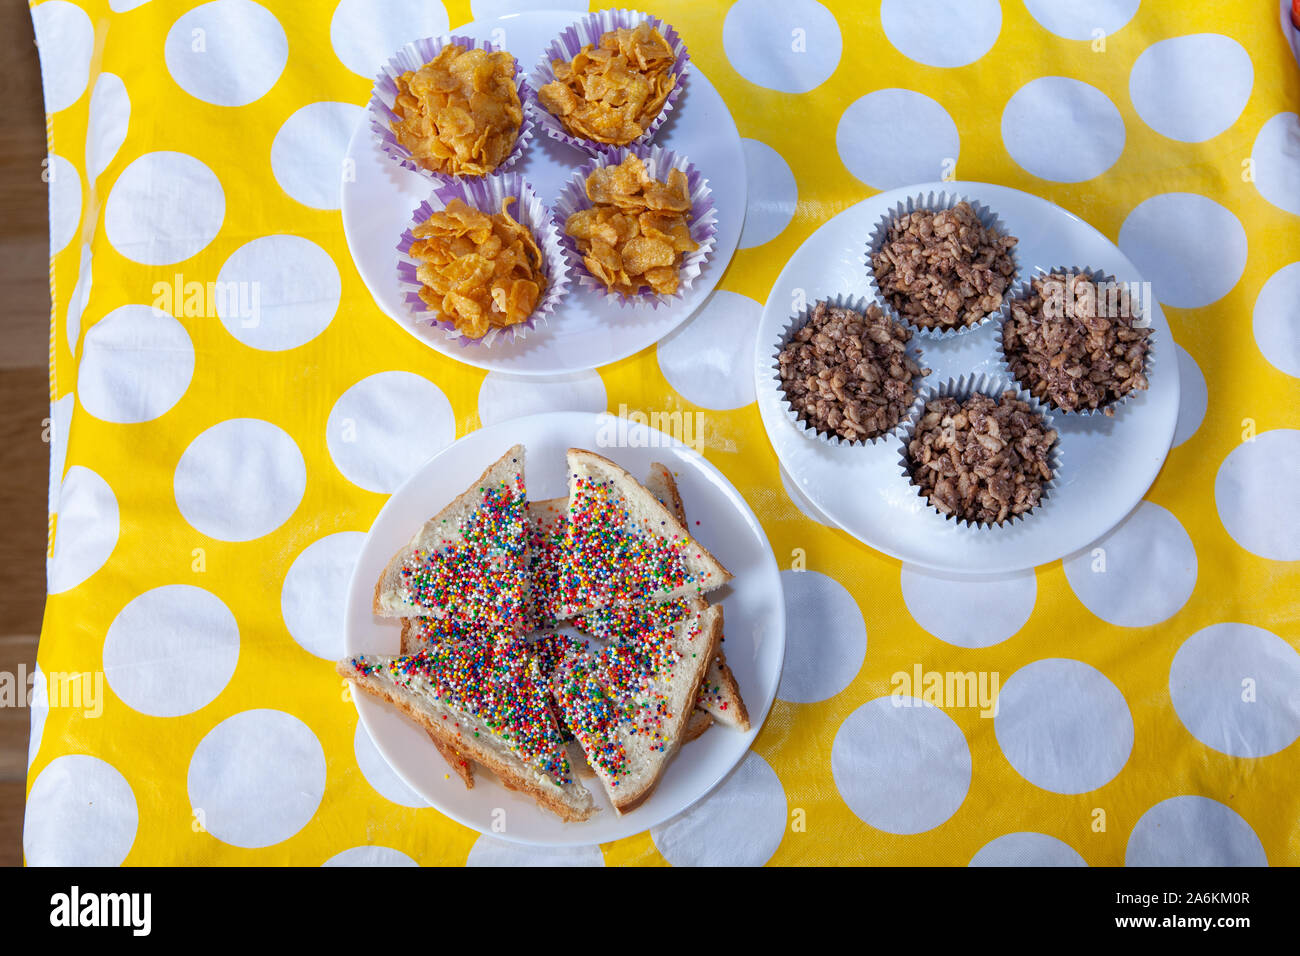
{"x":752,"y":603}
{"x":1107,"y":463}
{"x":585,"y":331}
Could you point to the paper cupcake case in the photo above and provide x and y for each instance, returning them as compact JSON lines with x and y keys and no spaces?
{"x":936,"y":202}
{"x":797,"y":321}
{"x":1097,"y":277}
{"x":961,"y":389}
{"x":383,"y":96}
{"x":486,"y":195}
{"x":703,"y":221}
{"x":569,"y":44}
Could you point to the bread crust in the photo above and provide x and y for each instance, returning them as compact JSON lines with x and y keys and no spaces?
{"x":509,"y":776}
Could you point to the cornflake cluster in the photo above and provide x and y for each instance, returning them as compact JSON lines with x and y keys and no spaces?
{"x":459,"y":114}
{"x":612,"y":92}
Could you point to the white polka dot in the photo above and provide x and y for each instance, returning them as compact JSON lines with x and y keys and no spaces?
{"x":80,"y":812}
{"x":1027,"y":849}
{"x":1255,"y":494}
{"x":1063,"y":726}
{"x":110,"y":115}
{"x":257,"y":778}
{"x":171,"y":650}
{"x":370,"y":856}
{"x":79,"y":299}
{"x":503,"y":396}
{"x":1277,"y":319}
{"x":164,"y":208}
{"x":491,"y":9}
{"x":239,"y":480}
{"x":85,"y":532}
{"x":741,"y":823}
{"x":1193,"y":831}
{"x":773,"y":194}
{"x":1191,"y":249}
{"x":1234,"y":688}
{"x":1193,"y":396}
{"x":802,"y":501}
{"x":380,"y":775}
{"x":366,"y":33}
{"x":490,"y":851}
{"x":1277,"y":162}
{"x":136,"y":363}
{"x":922,"y":142}
{"x":66,"y":40}
{"x":121,"y":6}
{"x":1047,"y":112}
{"x":60,"y":420}
{"x":1077,"y":19}
{"x":1141,"y":573}
{"x":387,"y":425}
{"x":969,"y":611}
{"x":901,"y":765}
{"x":280,"y":292}
{"x":65,"y":202}
{"x":308,"y":152}
{"x":942,"y":32}
{"x":39,"y":704}
{"x":315,"y":593}
{"x":792,"y":46}
{"x":826,"y":638}
{"x":710,"y":359}
{"x":227,"y":52}
{"x":1191,"y":88}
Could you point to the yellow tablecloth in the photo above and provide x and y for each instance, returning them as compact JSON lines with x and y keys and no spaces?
{"x":203,"y":519}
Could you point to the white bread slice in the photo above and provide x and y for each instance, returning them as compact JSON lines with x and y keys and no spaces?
{"x":622,"y":546}
{"x":631,"y":718}
{"x":451,"y":539}
{"x":459,"y":729}
{"x":719,"y":693}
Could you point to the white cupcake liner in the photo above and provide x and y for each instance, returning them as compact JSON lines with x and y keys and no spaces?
{"x":797,"y":321}
{"x":412,"y":56}
{"x":936,"y":202}
{"x":1023,"y":289}
{"x":569,"y":44}
{"x":962,"y":389}
{"x":485,"y":195}
{"x":658,"y":161}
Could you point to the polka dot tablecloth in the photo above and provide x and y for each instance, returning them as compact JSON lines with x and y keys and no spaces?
{"x":212,"y":478}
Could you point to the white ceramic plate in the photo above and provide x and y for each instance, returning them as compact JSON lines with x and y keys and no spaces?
{"x":752,"y":603}
{"x":1109,"y":463}
{"x":585,"y":331}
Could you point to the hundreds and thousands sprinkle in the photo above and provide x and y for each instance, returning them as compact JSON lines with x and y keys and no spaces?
{"x":619,"y":691}
{"x":496,"y":682}
{"x":481,"y":577}
{"x":609,"y":558}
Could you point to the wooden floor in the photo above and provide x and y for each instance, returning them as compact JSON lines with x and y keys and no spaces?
{"x":24,"y":395}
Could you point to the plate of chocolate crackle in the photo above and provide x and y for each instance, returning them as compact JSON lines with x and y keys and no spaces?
{"x":966,"y":377}
{"x":563,"y":633}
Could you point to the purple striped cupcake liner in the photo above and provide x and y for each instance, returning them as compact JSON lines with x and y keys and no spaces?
{"x":961,"y":389}
{"x":485,"y":194}
{"x":935,"y":202}
{"x":569,"y":44}
{"x":1097,"y":277}
{"x":412,"y":56}
{"x":658,"y":161}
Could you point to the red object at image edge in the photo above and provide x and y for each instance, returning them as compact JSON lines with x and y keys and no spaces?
{"x":1295,"y":14}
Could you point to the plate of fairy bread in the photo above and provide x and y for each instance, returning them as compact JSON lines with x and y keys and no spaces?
{"x":545,"y":192}
{"x":564,"y":629}
{"x":966,"y":377}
